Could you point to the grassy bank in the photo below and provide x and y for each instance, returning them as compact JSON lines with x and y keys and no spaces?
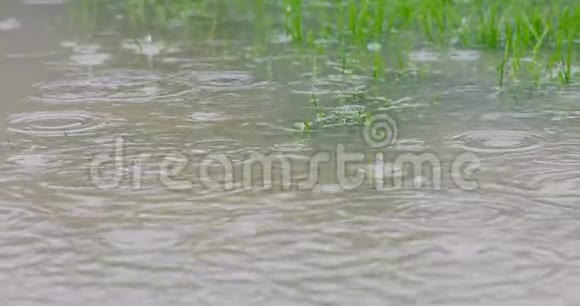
{"x":536,"y":41}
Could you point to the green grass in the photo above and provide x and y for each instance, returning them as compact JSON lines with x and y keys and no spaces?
{"x":532,"y":42}
{"x":380,"y":33}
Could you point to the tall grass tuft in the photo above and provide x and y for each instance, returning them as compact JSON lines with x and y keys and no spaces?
{"x":545,"y":31}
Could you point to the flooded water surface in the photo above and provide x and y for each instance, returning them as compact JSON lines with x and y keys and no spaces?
{"x":138,"y":173}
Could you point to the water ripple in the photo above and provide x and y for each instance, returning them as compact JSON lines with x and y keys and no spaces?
{"x":119,"y":86}
{"x":220,"y":81}
{"x":494,"y":267}
{"x":58,"y":123}
{"x":560,"y":154}
{"x":554,"y":187}
{"x":465,"y":55}
{"x":88,"y":55}
{"x":44,"y":2}
{"x":355,"y":243}
{"x":139,"y":240}
{"x":27,"y":229}
{"x":424,"y":56}
{"x":209,"y":117}
{"x":339,"y":84}
{"x":499,"y":141}
{"x":436,"y":212}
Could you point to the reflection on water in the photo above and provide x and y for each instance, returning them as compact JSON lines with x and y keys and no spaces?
{"x":161,"y":237}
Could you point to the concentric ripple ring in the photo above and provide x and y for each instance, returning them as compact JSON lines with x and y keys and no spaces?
{"x":501,"y":141}
{"x":56,"y":123}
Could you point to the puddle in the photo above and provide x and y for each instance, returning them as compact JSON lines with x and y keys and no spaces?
{"x":153,"y":171}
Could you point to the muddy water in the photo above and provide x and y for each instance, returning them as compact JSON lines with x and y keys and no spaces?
{"x":113,"y":188}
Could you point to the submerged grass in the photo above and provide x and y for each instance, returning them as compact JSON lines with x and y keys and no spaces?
{"x":543,"y":34}
{"x":536,"y":41}
{"x":519,"y":28}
